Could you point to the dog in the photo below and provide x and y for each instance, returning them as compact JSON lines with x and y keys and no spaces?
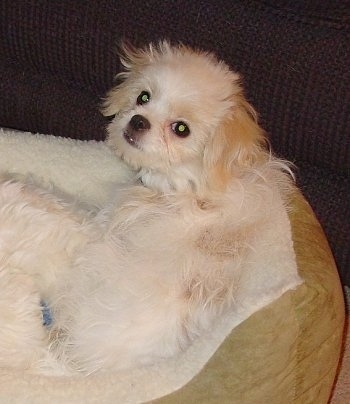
{"x":138,"y":281}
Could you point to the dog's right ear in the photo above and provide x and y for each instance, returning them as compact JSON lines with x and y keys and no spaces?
{"x":114,"y":101}
{"x":117,"y":98}
{"x":133,"y":60}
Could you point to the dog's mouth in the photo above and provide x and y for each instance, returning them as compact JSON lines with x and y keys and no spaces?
{"x":131,"y":139}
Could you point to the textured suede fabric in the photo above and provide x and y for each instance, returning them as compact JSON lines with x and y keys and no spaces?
{"x":289,"y":351}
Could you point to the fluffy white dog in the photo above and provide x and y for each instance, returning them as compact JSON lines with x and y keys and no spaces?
{"x":150,"y":272}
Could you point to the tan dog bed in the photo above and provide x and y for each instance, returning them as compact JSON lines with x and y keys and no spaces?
{"x":284,"y":348}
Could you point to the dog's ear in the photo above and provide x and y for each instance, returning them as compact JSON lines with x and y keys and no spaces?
{"x":237,"y":144}
{"x":132,"y":60}
{"x":115,"y":100}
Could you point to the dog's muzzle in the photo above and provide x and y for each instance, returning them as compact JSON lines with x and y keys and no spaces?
{"x":136,"y":128}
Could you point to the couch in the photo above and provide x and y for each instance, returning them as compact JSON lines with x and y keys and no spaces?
{"x":57,"y":60}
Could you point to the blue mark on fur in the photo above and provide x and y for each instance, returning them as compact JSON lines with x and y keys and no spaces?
{"x":47,"y":317}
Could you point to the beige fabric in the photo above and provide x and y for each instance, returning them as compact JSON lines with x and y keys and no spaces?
{"x":341,"y":393}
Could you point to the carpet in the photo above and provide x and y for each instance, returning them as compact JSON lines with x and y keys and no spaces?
{"x":341,"y":394}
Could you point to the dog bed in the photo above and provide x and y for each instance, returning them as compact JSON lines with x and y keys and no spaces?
{"x":261,"y":353}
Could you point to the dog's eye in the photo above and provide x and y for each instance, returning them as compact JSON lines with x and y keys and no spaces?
{"x":143,"y":98}
{"x":180,"y":129}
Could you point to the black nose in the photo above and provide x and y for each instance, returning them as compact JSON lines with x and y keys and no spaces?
{"x":139,"y":122}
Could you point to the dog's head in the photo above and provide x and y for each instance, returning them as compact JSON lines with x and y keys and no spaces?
{"x":181,"y":119}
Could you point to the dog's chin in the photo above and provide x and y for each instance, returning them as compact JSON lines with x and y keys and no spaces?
{"x":129,"y":149}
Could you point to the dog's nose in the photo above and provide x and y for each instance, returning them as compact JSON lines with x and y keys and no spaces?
{"x":139,"y":123}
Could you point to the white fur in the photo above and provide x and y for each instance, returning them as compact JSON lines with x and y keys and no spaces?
{"x":142,"y":278}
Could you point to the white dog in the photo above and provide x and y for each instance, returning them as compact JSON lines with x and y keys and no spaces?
{"x":145,"y":276}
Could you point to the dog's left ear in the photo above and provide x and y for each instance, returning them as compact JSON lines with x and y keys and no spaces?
{"x":238,"y":144}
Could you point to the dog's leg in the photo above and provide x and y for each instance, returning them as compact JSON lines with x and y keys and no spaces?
{"x":39,"y":234}
{"x":39,"y":237}
{"x":23,"y":338}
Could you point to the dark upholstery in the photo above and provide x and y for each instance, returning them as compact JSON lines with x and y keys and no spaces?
{"x":58,"y":58}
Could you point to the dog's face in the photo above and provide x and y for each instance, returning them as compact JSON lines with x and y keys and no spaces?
{"x":180,"y":117}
